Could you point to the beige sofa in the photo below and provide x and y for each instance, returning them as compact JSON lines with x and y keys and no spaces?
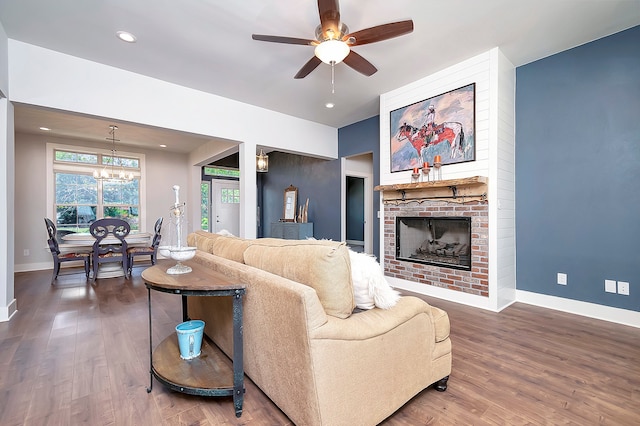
{"x":305,"y":347}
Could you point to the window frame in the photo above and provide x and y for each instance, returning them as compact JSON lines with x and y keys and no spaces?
{"x":54,"y":166}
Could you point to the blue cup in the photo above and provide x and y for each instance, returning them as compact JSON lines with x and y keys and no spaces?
{"x":190,"y":338}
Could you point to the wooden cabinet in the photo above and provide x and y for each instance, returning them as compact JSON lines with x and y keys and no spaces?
{"x":291,"y":230}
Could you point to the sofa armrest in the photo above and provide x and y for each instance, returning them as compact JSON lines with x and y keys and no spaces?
{"x":375,"y":322}
{"x":383,"y":357}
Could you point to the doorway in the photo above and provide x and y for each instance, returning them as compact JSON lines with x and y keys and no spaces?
{"x":355,"y":213}
{"x":357,"y":207}
{"x":225,"y":206}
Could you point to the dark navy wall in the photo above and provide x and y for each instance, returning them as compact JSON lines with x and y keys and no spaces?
{"x":361,"y":138}
{"x":318,"y":180}
{"x":578,"y":171}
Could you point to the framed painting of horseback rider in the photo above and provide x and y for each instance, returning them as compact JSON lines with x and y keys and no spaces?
{"x":443,"y":125}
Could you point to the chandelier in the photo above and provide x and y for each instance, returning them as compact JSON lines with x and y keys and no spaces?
{"x":110,"y":172}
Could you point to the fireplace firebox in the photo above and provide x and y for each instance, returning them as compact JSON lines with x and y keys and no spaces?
{"x":441,"y":241}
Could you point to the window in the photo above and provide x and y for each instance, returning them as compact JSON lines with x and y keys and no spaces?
{"x":205,"y":190}
{"x":79,"y":198}
{"x":229,"y":196}
{"x":221,"y":172}
{"x":76,"y":157}
{"x":76,"y":201}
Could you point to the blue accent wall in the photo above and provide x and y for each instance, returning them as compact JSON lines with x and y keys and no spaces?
{"x":316,"y":179}
{"x":578,"y":171}
{"x":361,"y":138}
{"x":320,"y":181}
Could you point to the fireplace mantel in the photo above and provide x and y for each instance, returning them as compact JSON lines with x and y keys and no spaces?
{"x":452,"y":190}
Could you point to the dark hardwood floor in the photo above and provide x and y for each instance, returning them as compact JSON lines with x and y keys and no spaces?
{"x":77,"y":353}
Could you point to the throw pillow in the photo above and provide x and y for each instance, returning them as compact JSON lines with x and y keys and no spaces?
{"x":370,"y":288}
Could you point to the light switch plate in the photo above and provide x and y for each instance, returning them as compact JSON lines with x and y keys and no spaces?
{"x":610,"y":286}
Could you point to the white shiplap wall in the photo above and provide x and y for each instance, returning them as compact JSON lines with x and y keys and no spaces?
{"x":494,"y":77}
{"x":502,"y":243}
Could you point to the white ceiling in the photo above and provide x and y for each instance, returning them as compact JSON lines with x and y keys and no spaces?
{"x":207,"y":45}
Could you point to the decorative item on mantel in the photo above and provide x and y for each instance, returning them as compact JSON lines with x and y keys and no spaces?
{"x":177,"y":248}
{"x":425,"y":171}
{"x":437,"y":164}
{"x":415,"y":175}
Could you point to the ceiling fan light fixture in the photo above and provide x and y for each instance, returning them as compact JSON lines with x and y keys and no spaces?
{"x":332,"y":51}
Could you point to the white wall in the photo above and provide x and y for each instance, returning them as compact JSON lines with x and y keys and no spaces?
{"x":494,"y":77}
{"x":43,"y":77}
{"x":502,"y":207}
{"x":4,"y":62}
{"x":7,"y":301}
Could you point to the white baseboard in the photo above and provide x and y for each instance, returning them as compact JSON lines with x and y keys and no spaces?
{"x":586,"y":309}
{"x":6,"y":312}
{"x":441,"y":293}
{"x":28,"y":267}
{"x":591,"y":310}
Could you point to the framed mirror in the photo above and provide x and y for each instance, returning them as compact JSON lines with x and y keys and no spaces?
{"x":290,"y":203}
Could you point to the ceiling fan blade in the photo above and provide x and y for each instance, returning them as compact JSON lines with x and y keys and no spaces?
{"x":379,"y":33}
{"x":311,"y":65}
{"x":329,"y":18}
{"x":285,"y":40}
{"x":360,"y":64}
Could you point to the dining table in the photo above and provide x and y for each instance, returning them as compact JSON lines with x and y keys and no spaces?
{"x":83,"y":240}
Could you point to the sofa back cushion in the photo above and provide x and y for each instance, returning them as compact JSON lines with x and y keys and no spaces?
{"x":231,"y":248}
{"x":322,"y":265}
{"x":202,"y":240}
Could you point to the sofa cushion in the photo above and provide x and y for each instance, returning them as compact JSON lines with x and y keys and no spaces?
{"x":202,"y":240}
{"x":231,"y":248}
{"x":322,"y":265}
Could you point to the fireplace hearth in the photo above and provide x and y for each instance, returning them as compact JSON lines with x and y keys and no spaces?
{"x":440,"y":241}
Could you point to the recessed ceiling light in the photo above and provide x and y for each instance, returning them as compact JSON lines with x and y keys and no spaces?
{"x":329,"y":105}
{"x":126,"y":36}
{"x":163,"y":146}
{"x":46,"y":129}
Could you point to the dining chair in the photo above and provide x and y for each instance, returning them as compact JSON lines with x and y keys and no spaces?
{"x":109,"y":250}
{"x":59,"y":257}
{"x":151,"y":250}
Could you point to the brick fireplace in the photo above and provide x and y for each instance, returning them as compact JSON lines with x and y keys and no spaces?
{"x":436,"y":200}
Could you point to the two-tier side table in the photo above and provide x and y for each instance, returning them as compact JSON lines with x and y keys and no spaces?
{"x":208,"y":374}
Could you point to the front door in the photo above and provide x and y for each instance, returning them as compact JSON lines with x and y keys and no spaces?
{"x":225,"y":206}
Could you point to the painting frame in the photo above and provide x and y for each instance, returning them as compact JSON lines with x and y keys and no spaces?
{"x":442,"y":125}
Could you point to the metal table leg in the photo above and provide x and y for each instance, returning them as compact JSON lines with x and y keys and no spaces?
{"x":150,"y":345}
{"x":238,"y":356}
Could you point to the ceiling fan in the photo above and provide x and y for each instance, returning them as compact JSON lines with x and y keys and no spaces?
{"x":333,"y":40}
